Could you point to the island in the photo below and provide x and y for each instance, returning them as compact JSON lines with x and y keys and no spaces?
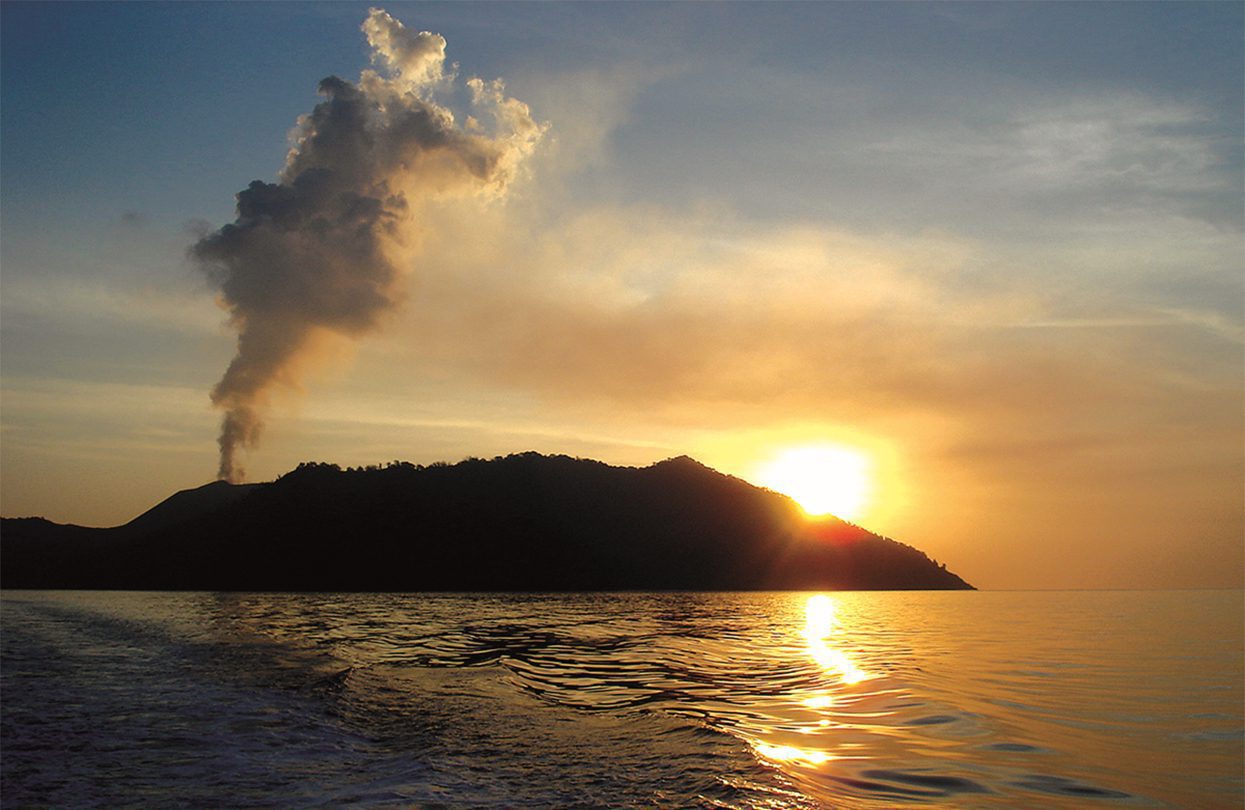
{"x":523,"y":522}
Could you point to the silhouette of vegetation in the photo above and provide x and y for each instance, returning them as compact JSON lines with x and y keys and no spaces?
{"x":525,"y":522}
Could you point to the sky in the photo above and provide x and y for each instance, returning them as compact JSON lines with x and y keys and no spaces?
{"x":993,"y":250}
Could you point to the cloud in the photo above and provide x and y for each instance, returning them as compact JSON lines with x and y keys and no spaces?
{"x":696,"y":328}
{"x":700,"y":322}
{"x":322,"y":252}
{"x":145,"y":307}
{"x":1076,"y":159}
{"x":665,"y":311}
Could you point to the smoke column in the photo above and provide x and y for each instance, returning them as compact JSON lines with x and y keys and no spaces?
{"x":323,"y":249}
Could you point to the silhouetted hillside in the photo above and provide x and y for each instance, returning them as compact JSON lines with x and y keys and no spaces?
{"x":524,"y":522}
{"x":186,"y":505}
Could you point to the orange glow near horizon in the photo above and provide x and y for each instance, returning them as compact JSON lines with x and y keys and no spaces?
{"x":823,"y":479}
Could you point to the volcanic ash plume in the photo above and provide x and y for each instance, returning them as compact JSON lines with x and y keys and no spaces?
{"x":322,"y":250}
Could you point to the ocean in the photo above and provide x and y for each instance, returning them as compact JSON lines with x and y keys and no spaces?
{"x":748,"y":700}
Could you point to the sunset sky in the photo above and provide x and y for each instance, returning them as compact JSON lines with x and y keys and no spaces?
{"x":993,"y":250}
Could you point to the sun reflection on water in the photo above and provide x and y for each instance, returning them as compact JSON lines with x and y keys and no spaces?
{"x":789,"y":753}
{"x":820,"y":623}
{"x":816,"y":747}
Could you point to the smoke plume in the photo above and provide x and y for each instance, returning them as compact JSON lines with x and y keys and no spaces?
{"x":324,"y":249}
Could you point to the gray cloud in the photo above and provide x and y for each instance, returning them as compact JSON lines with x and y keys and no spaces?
{"x":323,"y":250}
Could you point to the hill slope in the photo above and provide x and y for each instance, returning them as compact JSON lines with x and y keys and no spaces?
{"x":523,"y":522}
{"x":187,"y":505}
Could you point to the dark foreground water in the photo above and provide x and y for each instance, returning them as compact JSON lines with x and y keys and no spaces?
{"x":675,"y":699}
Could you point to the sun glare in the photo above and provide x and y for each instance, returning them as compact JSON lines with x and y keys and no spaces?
{"x":789,"y":753}
{"x":821,"y":622}
{"x":823,"y":479}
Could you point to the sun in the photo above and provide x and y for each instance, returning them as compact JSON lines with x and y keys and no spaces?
{"x":822,"y":479}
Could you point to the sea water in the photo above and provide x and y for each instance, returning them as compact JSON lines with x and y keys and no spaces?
{"x":779,"y":700}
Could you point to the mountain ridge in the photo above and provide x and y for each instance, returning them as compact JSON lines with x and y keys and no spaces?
{"x":187,"y":504}
{"x":522,"y":522}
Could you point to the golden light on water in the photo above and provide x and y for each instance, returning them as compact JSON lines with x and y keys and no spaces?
{"x":824,"y":479}
{"x":821,"y":625}
{"x":821,"y":616}
{"x":821,"y":621}
{"x":789,"y":753}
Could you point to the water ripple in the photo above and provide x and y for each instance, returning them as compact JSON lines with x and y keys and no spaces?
{"x":676,"y":700}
